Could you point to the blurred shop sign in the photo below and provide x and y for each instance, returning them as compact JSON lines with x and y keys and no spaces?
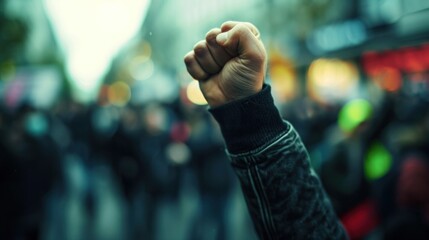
{"x":337,"y":36}
{"x":405,"y":69}
{"x":382,"y":12}
{"x":387,"y":21}
{"x":408,"y":59}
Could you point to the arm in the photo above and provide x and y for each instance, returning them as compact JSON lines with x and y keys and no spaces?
{"x":284,"y":196}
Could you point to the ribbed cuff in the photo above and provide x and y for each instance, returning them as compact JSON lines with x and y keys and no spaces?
{"x":249,"y":123}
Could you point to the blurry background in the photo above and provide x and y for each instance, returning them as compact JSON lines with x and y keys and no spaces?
{"x":105,"y":136}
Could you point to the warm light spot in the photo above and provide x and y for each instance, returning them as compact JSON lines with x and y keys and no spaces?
{"x":389,"y":79}
{"x":119,"y":93}
{"x":283,"y":77}
{"x":155,"y":118}
{"x":103,"y":95}
{"x":331,"y":80}
{"x":144,"y":49}
{"x":194,"y":94}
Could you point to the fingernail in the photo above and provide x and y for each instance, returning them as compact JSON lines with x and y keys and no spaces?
{"x":221,"y":38}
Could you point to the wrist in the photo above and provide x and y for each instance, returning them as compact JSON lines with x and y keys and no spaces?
{"x":249,"y":123}
{"x":215,"y":100}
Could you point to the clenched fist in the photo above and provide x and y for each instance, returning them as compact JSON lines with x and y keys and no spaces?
{"x":229,"y":64}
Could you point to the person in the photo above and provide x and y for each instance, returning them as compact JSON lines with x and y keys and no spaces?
{"x":284,"y":195}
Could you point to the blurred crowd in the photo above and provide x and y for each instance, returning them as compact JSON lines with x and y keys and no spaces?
{"x":158,"y":170}
{"x":103,"y":172}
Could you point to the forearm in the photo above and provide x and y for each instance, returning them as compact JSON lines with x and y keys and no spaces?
{"x":284,"y":196}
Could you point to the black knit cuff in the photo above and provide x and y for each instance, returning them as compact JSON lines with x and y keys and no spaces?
{"x":249,"y":123}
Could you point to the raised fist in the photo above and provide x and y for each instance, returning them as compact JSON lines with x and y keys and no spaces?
{"x":229,"y":64}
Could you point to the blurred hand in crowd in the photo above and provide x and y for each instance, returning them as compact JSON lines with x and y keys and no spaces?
{"x":229,"y":64}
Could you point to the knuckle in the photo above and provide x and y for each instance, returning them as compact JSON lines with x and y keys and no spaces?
{"x":242,"y":27}
{"x":211,"y":35}
{"x":195,"y":74}
{"x":200,"y":48}
{"x":188,"y":59}
{"x":249,"y":25}
{"x":201,"y":76}
{"x":250,"y":28}
{"x":227,"y":23}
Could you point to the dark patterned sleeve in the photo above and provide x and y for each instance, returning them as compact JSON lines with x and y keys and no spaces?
{"x":283,"y":194}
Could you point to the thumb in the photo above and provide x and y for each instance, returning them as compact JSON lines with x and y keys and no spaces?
{"x":242,"y":41}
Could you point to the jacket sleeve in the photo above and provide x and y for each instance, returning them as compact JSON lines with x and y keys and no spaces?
{"x":283,"y":194}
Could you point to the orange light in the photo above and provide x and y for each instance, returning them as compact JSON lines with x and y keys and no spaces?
{"x":330,"y":80}
{"x":103,"y":96}
{"x":389,"y":79}
{"x":119,"y":93}
{"x":283,"y":76}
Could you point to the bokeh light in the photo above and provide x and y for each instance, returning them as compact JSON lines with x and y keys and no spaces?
{"x":178,"y":153}
{"x":388,"y":78}
{"x":378,"y":161}
{"x":36,"y":124}
{"x":155,"y":118}
{"x":141,"y":68}
{"x":119,"y":93}
{"x":180,"y":132}
{"x":354,"y":113}
{"x":194,"y":94}
{"x":283,"y":77}
{"x":331,"y":80}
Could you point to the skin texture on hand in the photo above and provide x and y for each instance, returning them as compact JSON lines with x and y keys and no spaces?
{"x":229,"y":64}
